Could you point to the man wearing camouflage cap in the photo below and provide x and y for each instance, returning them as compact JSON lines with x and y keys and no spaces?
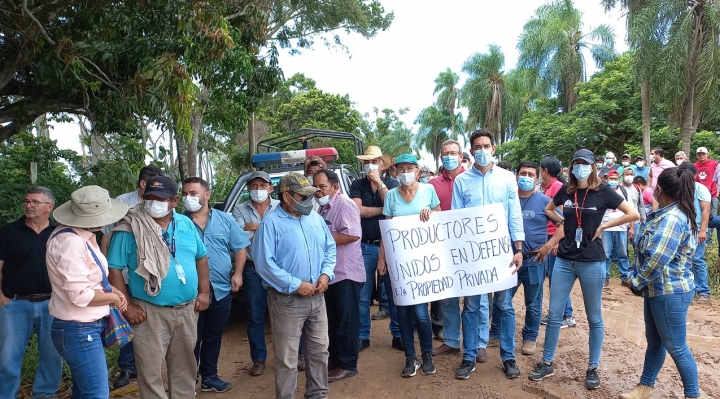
{"x":294,"y":254}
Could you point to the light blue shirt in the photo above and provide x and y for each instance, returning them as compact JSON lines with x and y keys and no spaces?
{"x":288,"y":250}
{"x":395,"y":204}
{"x":498,"y":185}
{"x":702,"y":194}
{"x":189,"y":247}
{"x":222,"y":237}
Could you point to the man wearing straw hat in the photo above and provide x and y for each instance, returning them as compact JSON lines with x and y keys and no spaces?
{"x":170,"y":283}
{"x":369,"y":196}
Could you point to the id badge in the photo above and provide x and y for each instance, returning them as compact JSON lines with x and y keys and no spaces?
{"x":180,"y":272}
{"x":578,"y":236}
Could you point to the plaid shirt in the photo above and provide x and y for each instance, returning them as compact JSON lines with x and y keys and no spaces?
{"x":665,"y":248}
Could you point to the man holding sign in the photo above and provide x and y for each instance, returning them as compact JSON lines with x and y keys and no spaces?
{"x":484,"y":184}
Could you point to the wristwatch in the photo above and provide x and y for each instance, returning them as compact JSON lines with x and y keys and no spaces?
{"x":382,"y":187}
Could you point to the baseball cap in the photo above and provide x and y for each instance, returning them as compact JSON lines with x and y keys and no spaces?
{"x":466,"y":156}
{"x":627,"y":156}
{"x":261,"y":175}
{"x":701,"y":150}
{"x":406,"y":158}
{"x":609,"y":155}
{"x":639,"y":157}
{"x":296,"y":183}
{"x":585,"y":155}
{"x":160,"y":186}
{"x":612,"y":173}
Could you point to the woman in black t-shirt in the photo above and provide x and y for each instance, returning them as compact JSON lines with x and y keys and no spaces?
{"x":580,"y":256}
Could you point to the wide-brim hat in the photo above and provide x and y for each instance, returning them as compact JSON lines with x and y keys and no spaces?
{"x":90,"y":206}
{"x":374,"y":152}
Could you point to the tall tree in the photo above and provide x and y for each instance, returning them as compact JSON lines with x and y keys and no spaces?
{"x":436,"y":126}
{"x":552,"y":43}
{"x":484,"y":90}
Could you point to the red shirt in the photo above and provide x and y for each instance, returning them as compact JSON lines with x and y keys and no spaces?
{"x":550,"y":190}
{"x":444,"y":187}
{"x":705,"y":173}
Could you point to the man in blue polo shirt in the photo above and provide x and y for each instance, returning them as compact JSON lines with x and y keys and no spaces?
{"x":486,"y":183}
{"x":294,"y":254}
{"x":170,"y":284}
{"x":224,"y":241}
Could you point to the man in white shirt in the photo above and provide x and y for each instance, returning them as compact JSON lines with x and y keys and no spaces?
{"x":615,"y":239}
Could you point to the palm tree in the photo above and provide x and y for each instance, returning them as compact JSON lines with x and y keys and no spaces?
{"x":484,"y":90}
{"x":552,"y":43}
{"x":445,"y":85}
{"x":436,"y":126}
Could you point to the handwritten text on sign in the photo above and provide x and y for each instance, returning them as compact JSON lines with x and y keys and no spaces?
{"x":461,"y":252}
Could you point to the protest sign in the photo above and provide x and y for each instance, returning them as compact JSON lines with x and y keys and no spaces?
{"x":456,"y":253}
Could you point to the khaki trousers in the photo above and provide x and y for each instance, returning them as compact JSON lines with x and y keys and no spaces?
{"x":292,"y":317}
{"x":168,"y":333}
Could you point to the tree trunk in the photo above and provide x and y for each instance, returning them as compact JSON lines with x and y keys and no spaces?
{"x":686,"y":129}
{"x":182,"y":147}
{"x":200,"y":165}
{"x":41,"y":124}
{"x":196,"y":124}
{"x":645,"y":100}
{"x":251,"y":139}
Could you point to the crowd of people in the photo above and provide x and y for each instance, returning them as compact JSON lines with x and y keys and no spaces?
{"x":314,"y":259}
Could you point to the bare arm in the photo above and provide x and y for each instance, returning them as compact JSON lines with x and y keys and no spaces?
{"x":705,"y":208}
{"x":203,"y":271}
{"x":236,"y":280}
{"x":368,"y":211}
{"x":343,"y":239}
{"x":134,"y":313}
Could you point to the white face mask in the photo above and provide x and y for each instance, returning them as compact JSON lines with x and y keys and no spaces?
{"x":626,"y":163}
{"x":156,"y":209}
{"x":628,"y":179}
{"x":640,"y":164}
{"x":407,"y":178}
{"x":679,"y":161}
{"x":258,"y":196}
{"x":323,"y":200}
{"x":368,"y":167}
{"x":192,"y":204}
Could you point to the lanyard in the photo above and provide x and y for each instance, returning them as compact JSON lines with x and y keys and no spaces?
{"x":522,"y":207}
{"x":578,"y":214}
{"x":171,"y":243}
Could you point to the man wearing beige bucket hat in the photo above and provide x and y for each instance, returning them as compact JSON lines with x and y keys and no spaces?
{"x":78,"y":274}
{"x":369,"y":196}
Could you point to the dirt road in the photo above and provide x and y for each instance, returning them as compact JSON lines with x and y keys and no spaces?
{"x":621,"y":362}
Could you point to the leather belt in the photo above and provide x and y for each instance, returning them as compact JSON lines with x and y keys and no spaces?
{"x":371,"y":242}
{"x":34,"y":297}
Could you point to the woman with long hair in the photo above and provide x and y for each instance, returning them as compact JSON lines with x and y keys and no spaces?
{"x":666,"y":243}
{"x":580,"y":256}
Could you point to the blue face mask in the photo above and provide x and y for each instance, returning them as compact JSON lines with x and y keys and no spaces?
{"x":526,"y":183}
{"x":451,"y":162}
{"x":423,"y":180}
{"x":483,"y":157}
{"x":581,"y":172}
{"x":613,"y":183}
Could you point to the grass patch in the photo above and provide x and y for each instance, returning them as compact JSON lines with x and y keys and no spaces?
{"x":30,"y":362}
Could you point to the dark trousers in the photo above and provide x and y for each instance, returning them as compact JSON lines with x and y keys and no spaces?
{"x":210,"y":327}
{"x":343,"y":313}
{"x":436,"y":316}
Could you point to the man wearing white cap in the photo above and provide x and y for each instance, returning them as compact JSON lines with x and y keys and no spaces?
{"x":609,"y":165}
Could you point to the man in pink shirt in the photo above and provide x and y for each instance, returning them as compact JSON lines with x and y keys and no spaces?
{"x":447,"y":311}
{"x":658,"y":165}
{"x":342,"y":296}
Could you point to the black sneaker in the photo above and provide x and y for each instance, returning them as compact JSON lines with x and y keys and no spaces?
{"x":397,"y":344}
{"x":511,"y":369}
{"x":541,"y":371}
{"x":411,"y":366}
{"x":466,"y":367}
{"x":544,"y":320}
{"x":363,"y":344}
{"x":428,"y":367}
{"x":592,"y":380}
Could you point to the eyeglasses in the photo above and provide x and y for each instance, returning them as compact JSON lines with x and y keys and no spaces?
{"x":450,"y":153}
{"x":34,"y":202}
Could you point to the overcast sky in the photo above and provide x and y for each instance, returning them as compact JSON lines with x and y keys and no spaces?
{"x":398,"y":67}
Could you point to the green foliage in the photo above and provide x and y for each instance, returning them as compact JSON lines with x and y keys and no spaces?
{"x":53,"y":172}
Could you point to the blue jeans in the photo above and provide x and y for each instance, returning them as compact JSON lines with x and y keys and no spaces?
{"x":700,"y":270}
{"x":665,"y":331}
{"x":550,"y":266}
{"x":451,"y":321}
{"x":210,"y":327}
{"x":531,"y":276}
{"x":503,"y":316}
{"x":80,"y":345}
{"x":126,"y":356}
{"x":17,"y":320}
{"x":341,"y":301}
{"x":615,"y":243}
{"x":592,"y":278}
{"x":256,"y":303}
{"x":475,"y":315}
{"x":410,"y":317}
{"x":370,"y":257}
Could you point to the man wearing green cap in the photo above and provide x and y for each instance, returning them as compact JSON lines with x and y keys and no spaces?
{"x":294,"y":254}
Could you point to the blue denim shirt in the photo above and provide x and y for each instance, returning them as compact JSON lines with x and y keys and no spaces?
{"x":222,"y":238}
{"x":472,"y":188}
{"x":288,"y":250}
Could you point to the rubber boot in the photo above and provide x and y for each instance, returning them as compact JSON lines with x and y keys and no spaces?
{"x":639,"y":392}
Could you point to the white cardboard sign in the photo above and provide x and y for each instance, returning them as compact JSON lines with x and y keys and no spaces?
{"x":461,"y":252}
